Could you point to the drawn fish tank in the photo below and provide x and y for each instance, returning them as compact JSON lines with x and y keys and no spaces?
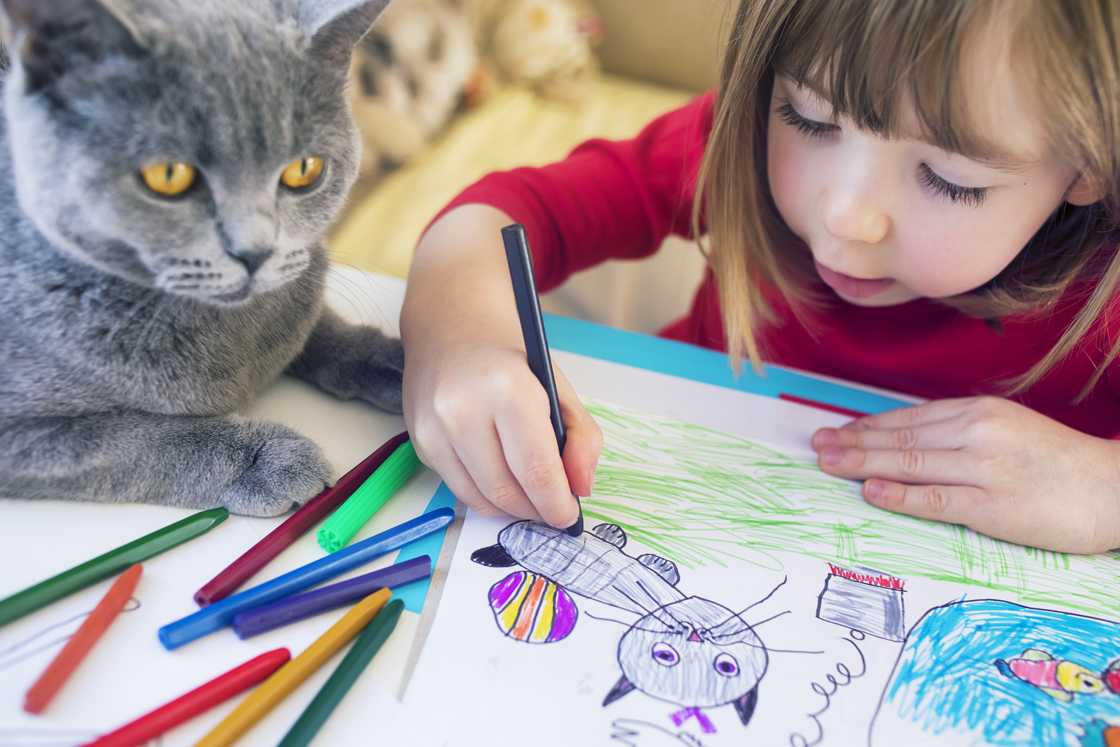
{"x":689,"y":651}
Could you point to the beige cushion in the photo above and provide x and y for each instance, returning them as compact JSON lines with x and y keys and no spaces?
{"x":515,"y":127}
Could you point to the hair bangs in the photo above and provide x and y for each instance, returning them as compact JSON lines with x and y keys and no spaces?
{"x":892,"y":68}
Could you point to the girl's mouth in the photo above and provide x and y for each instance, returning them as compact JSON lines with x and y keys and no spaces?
{"x":846,"y":285}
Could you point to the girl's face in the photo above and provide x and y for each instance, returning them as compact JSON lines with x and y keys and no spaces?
{"x":889,"y":221}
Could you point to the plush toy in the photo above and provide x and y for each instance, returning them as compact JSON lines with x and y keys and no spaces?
{"x":547,"y":44}
{"x":409,"y":75}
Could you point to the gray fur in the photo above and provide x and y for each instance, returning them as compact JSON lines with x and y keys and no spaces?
{"x":134,"y":325}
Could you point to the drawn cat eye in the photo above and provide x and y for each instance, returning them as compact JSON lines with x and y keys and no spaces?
{"x":168,"y":178}
{"x":665,"y":655}
{"x":302,"y":173}
{"x":726,"y":665}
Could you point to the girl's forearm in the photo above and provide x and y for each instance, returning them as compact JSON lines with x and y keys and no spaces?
{"x":458,"y":285}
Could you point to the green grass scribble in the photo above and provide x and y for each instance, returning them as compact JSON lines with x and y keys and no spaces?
{"x":700,"y":496}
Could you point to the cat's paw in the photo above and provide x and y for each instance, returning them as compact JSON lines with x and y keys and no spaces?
{"x":284,"y":469}
{"x":373,"y":369}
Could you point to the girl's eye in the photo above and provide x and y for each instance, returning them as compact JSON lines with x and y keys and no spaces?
{"x":665,"y":655}
{"x":726,"y":665}
{"x":302,"y":173}
{"x":808,"y":127}
{"x":970,"y":196}
{"x":168,"y":178}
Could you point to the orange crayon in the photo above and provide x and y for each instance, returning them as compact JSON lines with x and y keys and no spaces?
{"x":59,"y":670}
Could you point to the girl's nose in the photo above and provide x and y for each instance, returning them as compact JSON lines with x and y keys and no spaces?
{"x":857,"y":220}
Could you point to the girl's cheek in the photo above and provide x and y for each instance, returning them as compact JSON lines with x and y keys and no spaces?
{"x":790,"y":176}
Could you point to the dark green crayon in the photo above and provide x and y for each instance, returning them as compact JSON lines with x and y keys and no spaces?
{"x":349,"y":669}
{"x":109,"y":564}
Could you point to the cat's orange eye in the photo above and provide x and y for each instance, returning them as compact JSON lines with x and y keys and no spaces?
{"x":168,"y":178}
{"x":302,"y":173}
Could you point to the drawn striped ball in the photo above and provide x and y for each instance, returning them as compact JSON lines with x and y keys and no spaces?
{"x":530,"y":608}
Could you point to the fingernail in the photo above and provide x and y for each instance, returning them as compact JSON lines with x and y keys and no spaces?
{"x":824,"y":437}
{"x":873,"y":490}
{"x":832,"y":456}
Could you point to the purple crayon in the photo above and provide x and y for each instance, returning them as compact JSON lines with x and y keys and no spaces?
{"x":289,"y":610}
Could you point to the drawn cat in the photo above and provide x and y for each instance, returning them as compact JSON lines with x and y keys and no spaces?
{"x":689,"y":651}
{"x":168,"y":172}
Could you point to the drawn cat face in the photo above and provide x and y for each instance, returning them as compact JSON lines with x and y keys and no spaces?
{"x":198,"y":148}
{"x":694,"y":652}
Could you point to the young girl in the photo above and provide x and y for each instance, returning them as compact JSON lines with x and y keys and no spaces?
{"x":921,"y":196}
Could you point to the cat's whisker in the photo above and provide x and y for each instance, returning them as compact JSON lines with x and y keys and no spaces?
{"x":631,"y":626}
{"x":740,"y":613}
{"x":652,"y":612}
{"x":772,"y":617}
{"x":745,"y":626}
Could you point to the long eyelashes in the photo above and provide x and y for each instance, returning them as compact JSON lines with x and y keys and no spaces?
{"x":809,"y":127}
{"x":970,"y":196}
{"x":936,"y":185}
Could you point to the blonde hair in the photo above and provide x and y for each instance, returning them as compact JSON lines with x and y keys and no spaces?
{"x":869,"y":56}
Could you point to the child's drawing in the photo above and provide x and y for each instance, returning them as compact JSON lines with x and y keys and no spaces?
{"x":49,"y":637}
{"x":1100,"y":733}
{"x":1000,"y":673}
{"x":699,"y":495}
{"x":1061,"y":680}
{"x":863,"y":600}
{"x":689,"y":651}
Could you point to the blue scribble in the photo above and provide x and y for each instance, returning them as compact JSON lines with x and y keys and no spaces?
{"x":945,"y":679}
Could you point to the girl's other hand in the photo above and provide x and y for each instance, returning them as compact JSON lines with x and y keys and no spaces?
{"x":480,"y":419}
{"x":990,"y":464}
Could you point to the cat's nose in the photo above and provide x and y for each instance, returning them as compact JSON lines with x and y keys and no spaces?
{"x":252,"y":258}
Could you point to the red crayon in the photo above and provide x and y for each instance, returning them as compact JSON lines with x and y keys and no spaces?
{"x":62,"y":666}
{"x":314,"y":511}
{"x":822,"y":405}
{"x":199,"y":700}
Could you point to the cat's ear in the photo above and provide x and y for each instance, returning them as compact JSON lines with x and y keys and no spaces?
{"x":335,"y":26}
{"x":46,"y":39}
{"x":622,"y":687}
{"x":745,"y":705}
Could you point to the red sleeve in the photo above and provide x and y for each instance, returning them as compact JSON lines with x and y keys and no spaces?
{"x":608,"y":199}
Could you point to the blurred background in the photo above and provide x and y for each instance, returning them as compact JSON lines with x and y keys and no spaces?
{"x":445,"y":91}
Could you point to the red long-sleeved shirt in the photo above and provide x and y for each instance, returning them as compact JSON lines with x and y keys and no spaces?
{"x":619,"y":199}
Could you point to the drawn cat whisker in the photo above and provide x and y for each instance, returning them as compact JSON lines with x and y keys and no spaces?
{"x":768,"y":619}
{"x":659,"y":631}
{"x":739,"y":615}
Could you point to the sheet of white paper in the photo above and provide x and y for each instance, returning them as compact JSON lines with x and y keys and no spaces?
{"x":129,"y":672}
{"x":829,"y":585}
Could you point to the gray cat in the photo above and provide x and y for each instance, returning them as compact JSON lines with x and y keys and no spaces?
{"x":167,"y":171}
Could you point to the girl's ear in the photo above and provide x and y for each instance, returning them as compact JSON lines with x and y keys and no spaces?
{"x":1084,"y":192}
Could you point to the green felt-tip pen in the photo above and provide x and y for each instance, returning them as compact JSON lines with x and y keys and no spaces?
{"x":303,"y":731}
{"x":109,"y":564}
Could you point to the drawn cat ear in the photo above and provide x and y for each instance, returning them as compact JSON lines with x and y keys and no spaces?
{"x":744,"y":705}
{"x":611,"y":533}
{"x":622,"y":687}
{"x":663,"y":567}
{"x":49,"y":38}
{"x":335,"y":26}
{"x":494,"y":556}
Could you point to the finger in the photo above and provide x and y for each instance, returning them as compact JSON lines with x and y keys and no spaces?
{"x":943,"y":434}
{"x":585,"y":439}
{"x":955,"y":504}
{"x":485,"y":462}
{"x":438,"y":454}
{"x":531,"y":451}
{"x":908,"y":417}
{"x":918,"y":466}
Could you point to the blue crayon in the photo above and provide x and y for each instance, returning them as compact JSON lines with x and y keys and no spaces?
{"x":221,"y":613}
